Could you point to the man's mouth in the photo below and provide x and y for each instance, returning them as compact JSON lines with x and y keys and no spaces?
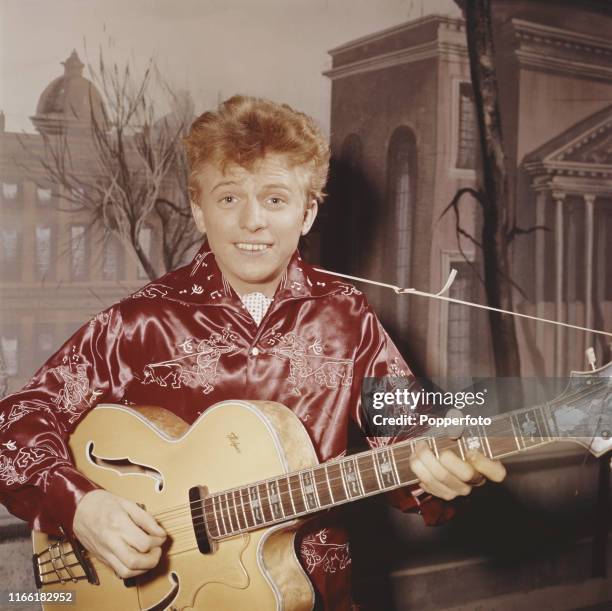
{"x":251,"y":246}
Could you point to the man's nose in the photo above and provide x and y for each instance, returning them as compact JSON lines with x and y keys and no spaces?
{"x":253,"y":216}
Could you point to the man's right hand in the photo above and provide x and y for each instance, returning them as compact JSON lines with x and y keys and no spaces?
{"x":118,"y":532}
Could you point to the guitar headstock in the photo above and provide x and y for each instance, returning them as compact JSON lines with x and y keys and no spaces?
{"x":583,"y":412}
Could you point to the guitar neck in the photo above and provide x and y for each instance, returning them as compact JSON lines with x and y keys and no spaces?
{"x":367,"y":473}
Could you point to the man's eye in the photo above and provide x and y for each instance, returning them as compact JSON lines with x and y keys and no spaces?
{"x":228,"y":199}
{"x":275,"y":201}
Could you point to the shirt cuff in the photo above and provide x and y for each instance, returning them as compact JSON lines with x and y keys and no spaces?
{"x":434,"y":511}
{"x":65,"y":489}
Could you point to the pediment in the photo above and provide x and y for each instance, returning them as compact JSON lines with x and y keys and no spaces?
{"x":593,"y":147}
{"x":587,"y":142}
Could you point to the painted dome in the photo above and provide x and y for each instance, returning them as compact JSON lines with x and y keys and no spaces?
{"x":68,"y":101}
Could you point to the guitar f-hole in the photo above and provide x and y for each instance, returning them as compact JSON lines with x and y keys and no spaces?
{"x":197,"y":494}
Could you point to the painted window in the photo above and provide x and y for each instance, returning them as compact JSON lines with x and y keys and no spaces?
{"x":44,"y":196}
{"x":42,"y":255}
{"x":78,"y":252}
{"x":458,"y":342}
{"x":10,"y":191}
{"x":112,"y":263}
{"x":10,"y":354}
{"x":467,"y":140}
{"x":402,"y":191}
{"x":10,"y":253}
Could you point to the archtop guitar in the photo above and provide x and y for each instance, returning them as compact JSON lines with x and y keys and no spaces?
{"x":232,"y":489}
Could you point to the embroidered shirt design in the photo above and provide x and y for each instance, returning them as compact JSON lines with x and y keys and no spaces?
{"x":307,"y":362}
{"x":196,"y":366}
{"x":14,"y":470}
{"x":72,"y":397}
{"x":152,"y":291}
{"x":319,"y":554}
{"x":19,"y":410}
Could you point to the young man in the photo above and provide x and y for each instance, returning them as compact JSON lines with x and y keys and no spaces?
{"x":246,"y":319}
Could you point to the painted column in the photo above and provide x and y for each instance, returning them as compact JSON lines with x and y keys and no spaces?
{"x":540,"y":265}
{"x":589,"y":201}
{"x":558,"y":197}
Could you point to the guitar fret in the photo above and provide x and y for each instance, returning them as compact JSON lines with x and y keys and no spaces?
{"x":229,"y":513}
{"x":520,"y":442}
{"x":217,"y":499}
{"x":236,"y":512}
{"x":246,"y":501}
{"x":355,"y":463}
{"x":486,"y":447}
{"x":275,"y":502}
{"x":545,"y":420}
{"x":309,"y":490}
{"x":394,"y":462}
{"x":283,"y":496}
{"x":352,"y":483}
{"x":460,"y":446}
{"x":548,"y":419}
{"x":331,"y":494}
{"x":367,"y":474}
{"x":266,"y":509}
{"x":516,"y":440}
{"x":375,"y":463}
{"x":295,"y":485}
{"x":255,"y":504}
{"x":336,"y":479}
{"x":244,"y":515}
{"x":432,"y":445}
{"x":385,"y":469}
{"x":531,"y":429}
{"x":498,"y":437}
{"x":285,"y":487}
{"x":215,"y":515}
{"x":322,"y":485}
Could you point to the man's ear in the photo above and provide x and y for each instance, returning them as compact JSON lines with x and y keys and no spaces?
{"x":198,"y":216}
{"x":310,"y":214}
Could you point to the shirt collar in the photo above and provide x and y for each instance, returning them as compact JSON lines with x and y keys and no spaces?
{"x":206,"y":284}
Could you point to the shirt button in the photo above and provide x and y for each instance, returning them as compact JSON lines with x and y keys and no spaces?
{"x":254,"y":351}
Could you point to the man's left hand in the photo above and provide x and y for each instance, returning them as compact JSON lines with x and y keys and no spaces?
{"x":449,"y":476}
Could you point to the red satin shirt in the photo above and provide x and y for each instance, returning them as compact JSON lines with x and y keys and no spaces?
{"x":185,"y":342}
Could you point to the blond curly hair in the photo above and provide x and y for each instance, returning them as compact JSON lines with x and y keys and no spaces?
{"x":244,"y":129}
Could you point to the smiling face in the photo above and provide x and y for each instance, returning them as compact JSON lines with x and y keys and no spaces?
{"x":253,"y":219}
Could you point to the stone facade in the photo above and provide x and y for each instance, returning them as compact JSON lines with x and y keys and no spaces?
{"x":555,"y":84}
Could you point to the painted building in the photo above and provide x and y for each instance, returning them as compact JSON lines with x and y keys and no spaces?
{"x":405,"y":140}
{"x":57,"y":268}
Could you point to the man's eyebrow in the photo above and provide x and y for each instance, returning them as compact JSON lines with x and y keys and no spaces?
{"x":277,"y":185}
{"x":224,"y":183}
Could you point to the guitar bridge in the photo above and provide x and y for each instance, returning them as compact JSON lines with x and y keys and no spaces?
{"x":63,"y":562}
{"x":197,"y":494}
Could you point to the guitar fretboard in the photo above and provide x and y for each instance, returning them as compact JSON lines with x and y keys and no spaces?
{"x":350,"y":478}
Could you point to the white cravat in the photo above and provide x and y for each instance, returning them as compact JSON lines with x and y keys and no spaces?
{"x":257,"y":305}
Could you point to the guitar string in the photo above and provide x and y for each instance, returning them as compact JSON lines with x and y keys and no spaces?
{"x":209,"y":501}
{"x":226,"y":511}
{"x":224,"y":505}
{"x":501,"y":418}
{"x":340,"y":479}
{"x":338,"y":482}
{"x":231,"y":514}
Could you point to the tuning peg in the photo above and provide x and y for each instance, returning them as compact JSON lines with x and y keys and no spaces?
{"x":590,"y":357}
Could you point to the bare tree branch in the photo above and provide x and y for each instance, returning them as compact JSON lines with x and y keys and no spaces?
{"x":129,"y":170}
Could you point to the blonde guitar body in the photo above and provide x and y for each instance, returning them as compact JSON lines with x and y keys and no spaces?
{"x":154,"y":459}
